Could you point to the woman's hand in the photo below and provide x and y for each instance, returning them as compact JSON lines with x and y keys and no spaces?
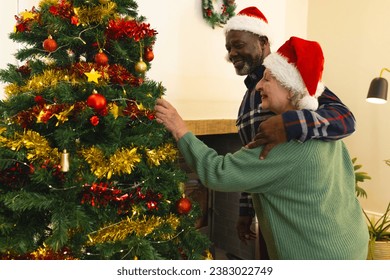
{"x":167,"y":115}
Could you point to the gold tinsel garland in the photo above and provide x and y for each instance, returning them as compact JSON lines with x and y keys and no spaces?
{"x":156,"y":156}
{"x":141,"y":227}
{"x":2,"y":139}
{"x":123,"y":161}
{"x":98,"y":14}
{"x":49,"y":78}
{"x":37,"y":146}
{"x":86,"y":15}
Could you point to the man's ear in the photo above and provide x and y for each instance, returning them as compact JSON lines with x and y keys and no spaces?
{"x":264,"y":40}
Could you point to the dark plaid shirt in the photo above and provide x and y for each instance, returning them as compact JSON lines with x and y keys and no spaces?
{"x":331,"y":121}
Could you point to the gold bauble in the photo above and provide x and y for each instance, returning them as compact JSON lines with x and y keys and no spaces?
{"x":140,"y":66}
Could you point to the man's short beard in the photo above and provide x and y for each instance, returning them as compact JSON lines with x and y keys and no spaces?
{"x":246,"y":70}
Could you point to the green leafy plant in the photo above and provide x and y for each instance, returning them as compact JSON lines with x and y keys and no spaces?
{"x":360,"y":177}
{"x":379,"y":228}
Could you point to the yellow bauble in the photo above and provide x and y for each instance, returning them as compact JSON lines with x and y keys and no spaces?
{"x":140,"y":66}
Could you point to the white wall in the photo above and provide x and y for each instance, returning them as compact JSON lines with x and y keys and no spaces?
{"x":355,"y":37}
{"x":7,"y":16}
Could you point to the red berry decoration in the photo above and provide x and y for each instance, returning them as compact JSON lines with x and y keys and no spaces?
{"x":97,"y":101}
{"x":50,"y":45}
{"x":149,"y":55}
{"x":183,"y":205}
{"x":101,"y":58}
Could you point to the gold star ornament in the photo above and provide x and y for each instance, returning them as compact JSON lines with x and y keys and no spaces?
{"x":93,"y":76}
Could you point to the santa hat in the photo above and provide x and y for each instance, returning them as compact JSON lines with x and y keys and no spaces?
{"x":249,"y":19}
{"x":298,"y":65}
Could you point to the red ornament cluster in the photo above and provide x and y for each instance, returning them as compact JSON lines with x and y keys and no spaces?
{"x":16,"y":175}
{"x":43,"y":113}
{"x":132,"y":110}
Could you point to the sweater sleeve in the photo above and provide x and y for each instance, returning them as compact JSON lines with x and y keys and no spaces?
{"x":241,"y":171}
{"x":333,"y":120}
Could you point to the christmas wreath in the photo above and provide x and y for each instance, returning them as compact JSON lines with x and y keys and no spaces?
{"x":218,"y":18}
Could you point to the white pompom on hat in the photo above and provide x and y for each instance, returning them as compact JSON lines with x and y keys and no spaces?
{"x":249,"y":19}
{"x":298,"y":65}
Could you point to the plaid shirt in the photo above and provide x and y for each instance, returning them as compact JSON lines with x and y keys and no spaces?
{"x":331,"y":121}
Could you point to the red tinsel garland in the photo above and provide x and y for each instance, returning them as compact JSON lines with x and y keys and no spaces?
{"x":64,"y":9}
{"x":115,"y":73}
{"x":120,"y":28}
{"x":103,"y":194}
{"x":23,"y":24}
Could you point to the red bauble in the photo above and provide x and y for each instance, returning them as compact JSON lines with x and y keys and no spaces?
{"x":149,"y":55}
{"x":183,"y":205}
{"x":97,"y":101}
{"x":101,"y":58}
{"x":50,"y":44}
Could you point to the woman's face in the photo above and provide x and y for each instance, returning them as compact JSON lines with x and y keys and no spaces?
{"x":274,"y":96}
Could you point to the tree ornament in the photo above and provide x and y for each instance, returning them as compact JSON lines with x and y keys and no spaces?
{"x":140,"y":66}
{"x":218,"y":18}
{"x":93,"y":76}
{"x":97,"y":101}
{"x":183,"y":205}
{"x":104,"y":1}
{"x":94,"y":120}
{"x":148,"y":55}
{"x":182,"y":187}
{"x":64,"y":161}
{"x":101,"y":58}
{"x":152,"y":205}
{"x":50,"y":45}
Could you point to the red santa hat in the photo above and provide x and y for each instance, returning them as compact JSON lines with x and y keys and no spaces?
{"x":298,"y":65}
{"x":249,"y":19}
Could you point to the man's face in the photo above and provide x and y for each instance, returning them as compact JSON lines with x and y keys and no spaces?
{"x":244,"y":51}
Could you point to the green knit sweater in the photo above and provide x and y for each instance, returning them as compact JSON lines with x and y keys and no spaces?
{"x":304,"y":195}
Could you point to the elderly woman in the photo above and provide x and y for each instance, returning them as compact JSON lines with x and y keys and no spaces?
{"x":304,"y":194}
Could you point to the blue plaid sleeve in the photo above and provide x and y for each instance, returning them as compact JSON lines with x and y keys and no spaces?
{"x":332,"y":120}
{"x":246,"y":206}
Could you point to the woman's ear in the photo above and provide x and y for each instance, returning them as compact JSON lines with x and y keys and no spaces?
{"x":290,"y":95}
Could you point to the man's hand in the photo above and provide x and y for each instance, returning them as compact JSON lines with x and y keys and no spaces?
{"x":243,"y":227}
{"x":271,"y":133}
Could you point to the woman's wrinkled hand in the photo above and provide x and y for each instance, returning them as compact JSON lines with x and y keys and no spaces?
{"x":167,"y":115}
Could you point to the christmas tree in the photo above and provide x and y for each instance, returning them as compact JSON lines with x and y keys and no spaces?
{"x":85,"y":170}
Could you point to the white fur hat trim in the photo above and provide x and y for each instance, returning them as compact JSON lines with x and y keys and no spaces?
{"x":288,"y":75}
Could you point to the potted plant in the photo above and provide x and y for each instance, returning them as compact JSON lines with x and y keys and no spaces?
{"x":379,"y":228}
